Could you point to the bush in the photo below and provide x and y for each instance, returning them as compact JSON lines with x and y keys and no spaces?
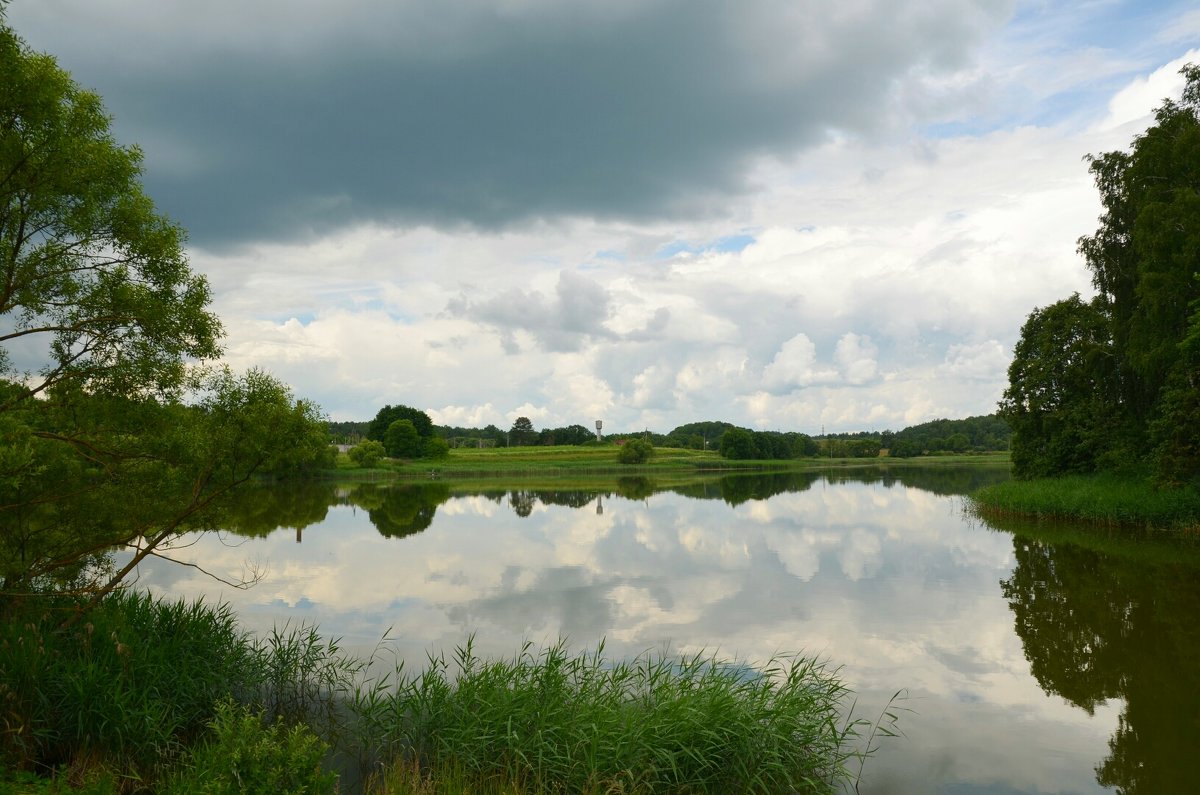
{"x":635,"y":451}
{"x":245,"y":755}
{"x":367,"y":453}
{"x":436,"y":448}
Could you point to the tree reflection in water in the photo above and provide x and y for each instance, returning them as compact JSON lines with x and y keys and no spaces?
{"x":1118,"y":618}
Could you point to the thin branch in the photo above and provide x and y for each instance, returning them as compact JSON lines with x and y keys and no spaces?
{"x":257,"y":574}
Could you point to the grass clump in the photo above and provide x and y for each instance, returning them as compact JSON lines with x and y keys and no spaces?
{"x":1105,"y":499}
{"x":557,"y":722}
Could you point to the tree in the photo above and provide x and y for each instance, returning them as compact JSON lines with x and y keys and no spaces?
{"x":402,"y":440}
{"x":88,"y":270}
{"x":1174,"y":430}
{"x":522,"y":432}
{"x":738,"y":444}
{"x":1060,"y":401}
{"x":436,"y":448}
{"x":109,"y":433}
{"x":1144,"y":254}
{"x":1121,"y":388}
{"x":91,"y":471}
{"x":635,"y":451}
{"x":389,"y":414}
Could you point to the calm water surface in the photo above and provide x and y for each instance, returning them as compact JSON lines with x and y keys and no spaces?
{"x":1056,"y":664}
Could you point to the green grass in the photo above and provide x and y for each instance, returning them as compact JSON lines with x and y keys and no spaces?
{"x":1100,"y":499}
{"x":568,"y":461}
{"x":552,"y":721}
{"x":146,"y":695}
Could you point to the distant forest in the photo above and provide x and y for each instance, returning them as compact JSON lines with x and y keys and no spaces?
{"x":973,"y":434}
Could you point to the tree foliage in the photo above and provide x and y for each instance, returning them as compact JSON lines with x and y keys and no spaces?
{"x":91,"y":471}
{"x":367,"y":453}
{"x":402,"y":440}
{"x":389,"y":414}
{"x":1132,"y":342}
{"x":109,"y":434}
{"x":88,"y":270}
{"x":522,"y":432}
{"x":1061,"y":395}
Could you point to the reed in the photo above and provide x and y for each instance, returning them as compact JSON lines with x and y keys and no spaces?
{"x":551,"y":721}
{"x":1110,"y":500}
{"x":132,"y":683}
{"x":145,"y":695}
{"x":127,"y":689}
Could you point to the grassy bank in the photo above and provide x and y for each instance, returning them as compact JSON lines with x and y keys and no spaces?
{"x":148,"y":696}
{"x":601,"y":461}
{"x":1108,"y":500}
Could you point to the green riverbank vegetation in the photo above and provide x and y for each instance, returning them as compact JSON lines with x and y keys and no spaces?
{"x":603,"y":462}
{"x":1104,"y":394}
{"x":142,"y":695}
{"x":1100,"y":499}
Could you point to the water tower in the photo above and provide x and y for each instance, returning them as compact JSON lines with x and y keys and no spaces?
{"x":599,"y":425}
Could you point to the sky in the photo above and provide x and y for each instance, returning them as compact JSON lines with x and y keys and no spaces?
{"x":786,"y":214}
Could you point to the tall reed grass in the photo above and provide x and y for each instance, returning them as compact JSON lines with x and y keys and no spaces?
{"x":1102,"y":499}
{"x":146,"y":695}
{"x":137,"y":681}
{"x":552,"y":721}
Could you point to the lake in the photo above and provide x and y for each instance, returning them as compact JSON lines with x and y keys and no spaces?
{"x":1032,"y":660}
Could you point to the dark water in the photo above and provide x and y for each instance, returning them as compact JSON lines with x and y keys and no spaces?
{"x":1033,"y":660}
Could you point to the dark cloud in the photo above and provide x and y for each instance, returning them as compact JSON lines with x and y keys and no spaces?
{"x":404,"y":115}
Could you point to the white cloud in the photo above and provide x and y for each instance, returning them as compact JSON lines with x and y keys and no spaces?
{"x":1132,"y":104}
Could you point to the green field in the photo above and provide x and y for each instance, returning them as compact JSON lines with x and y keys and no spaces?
{"x":588,"y":461}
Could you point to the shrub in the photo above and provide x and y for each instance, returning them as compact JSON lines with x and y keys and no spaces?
{"x":436,"y":448}
{"x":635,"y":451}
{"x":367,"y":453}
{"x":245,"y":755}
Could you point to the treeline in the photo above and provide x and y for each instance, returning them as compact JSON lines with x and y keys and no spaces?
{"x":1113,"y":383}
{"x":973,"y":434}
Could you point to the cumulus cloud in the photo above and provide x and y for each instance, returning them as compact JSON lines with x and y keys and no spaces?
{"x":795,"y":365}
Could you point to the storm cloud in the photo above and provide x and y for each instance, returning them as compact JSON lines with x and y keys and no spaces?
{"x":288,"y":120}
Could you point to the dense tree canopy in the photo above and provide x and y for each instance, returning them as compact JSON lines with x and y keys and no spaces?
{"x":1061,"y":394}
{"x":401,"y":440}
{"x":1116,"y":379}
{"x":389,"y":414}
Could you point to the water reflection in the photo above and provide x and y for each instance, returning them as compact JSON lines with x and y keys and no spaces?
{"x":397,"y":510}
{"x":1105,"y":616}
{"x":878,"y":570}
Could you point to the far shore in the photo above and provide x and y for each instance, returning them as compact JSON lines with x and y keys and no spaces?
{"x":600,"y":461}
